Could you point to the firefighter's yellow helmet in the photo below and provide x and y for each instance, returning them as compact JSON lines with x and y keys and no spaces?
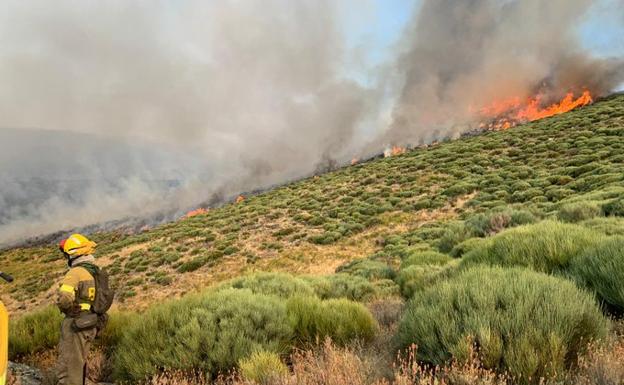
{"x":77,"y":245}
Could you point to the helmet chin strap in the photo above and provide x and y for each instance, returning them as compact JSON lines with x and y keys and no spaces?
{"x":70,"y":259}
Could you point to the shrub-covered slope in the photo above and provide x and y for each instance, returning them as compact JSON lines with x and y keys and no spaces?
{"x":507,"y":248}
{"x":569,"y":167}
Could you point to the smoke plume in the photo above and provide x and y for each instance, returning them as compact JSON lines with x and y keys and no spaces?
{"x":461,"y":55}
{"x":117,"y":109}
{"x":217,"y":96}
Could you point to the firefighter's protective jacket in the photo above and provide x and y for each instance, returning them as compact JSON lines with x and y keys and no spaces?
{"x":77,"y":291}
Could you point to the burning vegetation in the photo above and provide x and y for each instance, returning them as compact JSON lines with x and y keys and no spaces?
{"x":504,"y":114}
{"x":196,"y":212}
{"x":394,"y":151}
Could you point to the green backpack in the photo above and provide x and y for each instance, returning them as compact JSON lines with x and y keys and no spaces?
{"x":104,"y":295}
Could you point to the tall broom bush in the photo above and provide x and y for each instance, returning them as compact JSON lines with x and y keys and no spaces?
{"x":210,"y":332}
{"x":521,"y":322}
{"x":601,"y":269}
{"x":547,"y":246}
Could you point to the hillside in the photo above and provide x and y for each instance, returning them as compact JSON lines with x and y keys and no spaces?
{"x":315,"y":225}
{"x":373,"y":219}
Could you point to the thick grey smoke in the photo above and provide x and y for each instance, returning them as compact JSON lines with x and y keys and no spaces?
{"x":123,"y":108}
{"x":210,"y":96}
{"x":462,"y":55}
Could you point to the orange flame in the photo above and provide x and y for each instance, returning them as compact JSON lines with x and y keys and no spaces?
{"x":394,"y":151}
{"x":240,"y":199}
{"x":354,"y":161}
{"x":196,"y":212}
{"x":510,"y":112}
{"x":534,"y":112}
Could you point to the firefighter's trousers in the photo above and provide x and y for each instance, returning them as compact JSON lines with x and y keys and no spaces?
{"x":73,"y":353}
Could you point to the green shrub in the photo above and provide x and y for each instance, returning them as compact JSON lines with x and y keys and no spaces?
{"x":459,"y":189}
{"x":523,"y":322}
{"x":483,"y":225}
{"x":192,"y":265}
{"x":426,"y":258}
{"x":34,"y":332}
{"x":453,"y":235}
{"x":326,"y":238}
{"x":607,"y":226}
{"x":465,"y":247}
{"x":340,"y":319}
{"x":614,"y":208}
{"x":579,"y":211}
{"x":547,"y":246}
{"x":208,"y":332}
{"x":342,"y":285}
{"x":416,"y":278}
{"x":116,"y":326}
{"x":601,"y":268}
{"x":277,"y":284}
{"x":368,"y":269}
{"x":262,"y":368}
{"x":385,"y":288}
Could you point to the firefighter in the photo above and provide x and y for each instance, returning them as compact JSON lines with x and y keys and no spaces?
{"x":75,"y":299}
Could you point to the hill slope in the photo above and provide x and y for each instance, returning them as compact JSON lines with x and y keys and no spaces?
{"x":382,"y":210}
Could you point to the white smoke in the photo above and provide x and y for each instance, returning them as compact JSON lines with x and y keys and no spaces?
{"x":254,"y":90}
{"x":121,"y":108}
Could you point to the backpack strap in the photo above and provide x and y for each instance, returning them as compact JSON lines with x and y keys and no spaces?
{"x":90,"y":267}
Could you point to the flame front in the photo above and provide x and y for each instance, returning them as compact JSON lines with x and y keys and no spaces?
{"x":394,"y":151}
{"x":507,"y":113}
{"x":196,"y":212}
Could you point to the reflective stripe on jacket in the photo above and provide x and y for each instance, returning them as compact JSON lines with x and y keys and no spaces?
{"x":77,"y":291}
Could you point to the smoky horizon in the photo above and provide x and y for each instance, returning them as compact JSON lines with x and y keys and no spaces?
{"x":131,"y":109}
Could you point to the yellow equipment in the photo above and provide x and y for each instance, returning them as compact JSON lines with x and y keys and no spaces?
{"x":4,"y":343}
{"x":77,"y":245}
{"x":4,"y":336}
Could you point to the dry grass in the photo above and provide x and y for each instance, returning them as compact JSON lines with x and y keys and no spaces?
{"x":99,"y":366}
{"x":602,"y":366}
{"x":329,"y":365}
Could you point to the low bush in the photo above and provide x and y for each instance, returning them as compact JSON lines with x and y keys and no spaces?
{"x":607,"y":226}
{"x":385,"y":288}
{"x":262,"y":368}
{"x":465,"y":247}
{"x":118,"y":323}
{"x":426,"y":258}
{"x":368,"y":269}
{"x":416,"y":278}
{"x":601,"y":268}
{"x":342,"y":285}
{"x":192,"y":265}
{"x":525,"y":323}
{"x":326,"y":238}
{"x":490,"y":223}
{"x":579,"y":211}
{"x":209,"y":332}
{"x":453,"y":235}
{"x":614,"y":208}
{"x":339,"y":319}
{"x":34,"y":332}
{"x":547,"y":246}
{"x":278,"y":284}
